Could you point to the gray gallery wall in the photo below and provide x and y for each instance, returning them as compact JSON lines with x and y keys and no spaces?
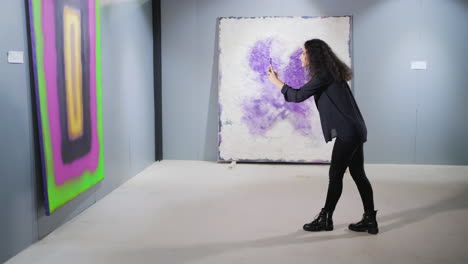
{"x":128,"y":109}
{"x":415,"y":117}
{"x":17,"y":194}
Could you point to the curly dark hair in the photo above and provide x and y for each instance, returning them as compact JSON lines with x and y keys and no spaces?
{"x":323,"y":59}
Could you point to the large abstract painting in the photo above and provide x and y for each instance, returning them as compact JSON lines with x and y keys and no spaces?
{"x":255,"y":122}
{"x":65,"y":41}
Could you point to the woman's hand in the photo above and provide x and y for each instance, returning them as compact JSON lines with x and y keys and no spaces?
{"x":273,"y":77}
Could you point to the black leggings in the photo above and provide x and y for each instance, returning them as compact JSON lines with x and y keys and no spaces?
{"x":348,"y":154}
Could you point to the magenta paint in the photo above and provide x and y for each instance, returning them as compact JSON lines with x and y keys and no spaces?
{"x":64,"y":172}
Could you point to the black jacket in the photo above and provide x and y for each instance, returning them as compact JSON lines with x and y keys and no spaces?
{"x":339,"y":113}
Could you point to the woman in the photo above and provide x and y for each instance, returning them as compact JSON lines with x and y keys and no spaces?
{"x":341,"y":119}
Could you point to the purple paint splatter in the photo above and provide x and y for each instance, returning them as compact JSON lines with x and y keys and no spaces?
{"x":260,"y":57}
{"x":260,"y":114}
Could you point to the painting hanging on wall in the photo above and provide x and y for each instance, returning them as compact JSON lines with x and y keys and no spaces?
{"x":255,"y":122}
{"x":66,"y":60}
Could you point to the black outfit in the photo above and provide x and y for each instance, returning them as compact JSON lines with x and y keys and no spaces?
{"x":348,"y":154}
{"x":339,"y":113}
{"x":340,"y":117}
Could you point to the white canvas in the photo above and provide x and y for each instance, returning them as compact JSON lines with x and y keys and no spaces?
{"x":255,"y":122}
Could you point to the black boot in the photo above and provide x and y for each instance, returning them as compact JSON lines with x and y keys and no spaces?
{"x":368,"y":223}
{"x":321,"y":222}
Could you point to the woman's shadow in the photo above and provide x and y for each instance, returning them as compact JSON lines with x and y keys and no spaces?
{"x":183,"y":254}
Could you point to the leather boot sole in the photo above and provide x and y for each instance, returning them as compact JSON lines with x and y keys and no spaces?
{"x":327,"y":228}
{"x":370,"y":230}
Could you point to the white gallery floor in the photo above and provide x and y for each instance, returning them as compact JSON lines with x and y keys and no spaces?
{"x":204,"y":212}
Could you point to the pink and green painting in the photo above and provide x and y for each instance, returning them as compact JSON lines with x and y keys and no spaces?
{"x":65,"y":41}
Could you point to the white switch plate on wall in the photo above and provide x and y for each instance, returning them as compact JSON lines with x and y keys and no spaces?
{"x":418,"y":65}
{"x":15,"y":57}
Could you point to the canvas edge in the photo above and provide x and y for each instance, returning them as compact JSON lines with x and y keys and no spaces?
{"x":218,"y":81}
{"x":40,"y":133}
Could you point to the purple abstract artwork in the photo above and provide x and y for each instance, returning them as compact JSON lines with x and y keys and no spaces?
{"x":256,"y":124}
{"x":260,"y":114}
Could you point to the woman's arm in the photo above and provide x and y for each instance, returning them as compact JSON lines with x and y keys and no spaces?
{"x":278,"y":83}
{"x":309,"y":89}
{"x":312,"y":87}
